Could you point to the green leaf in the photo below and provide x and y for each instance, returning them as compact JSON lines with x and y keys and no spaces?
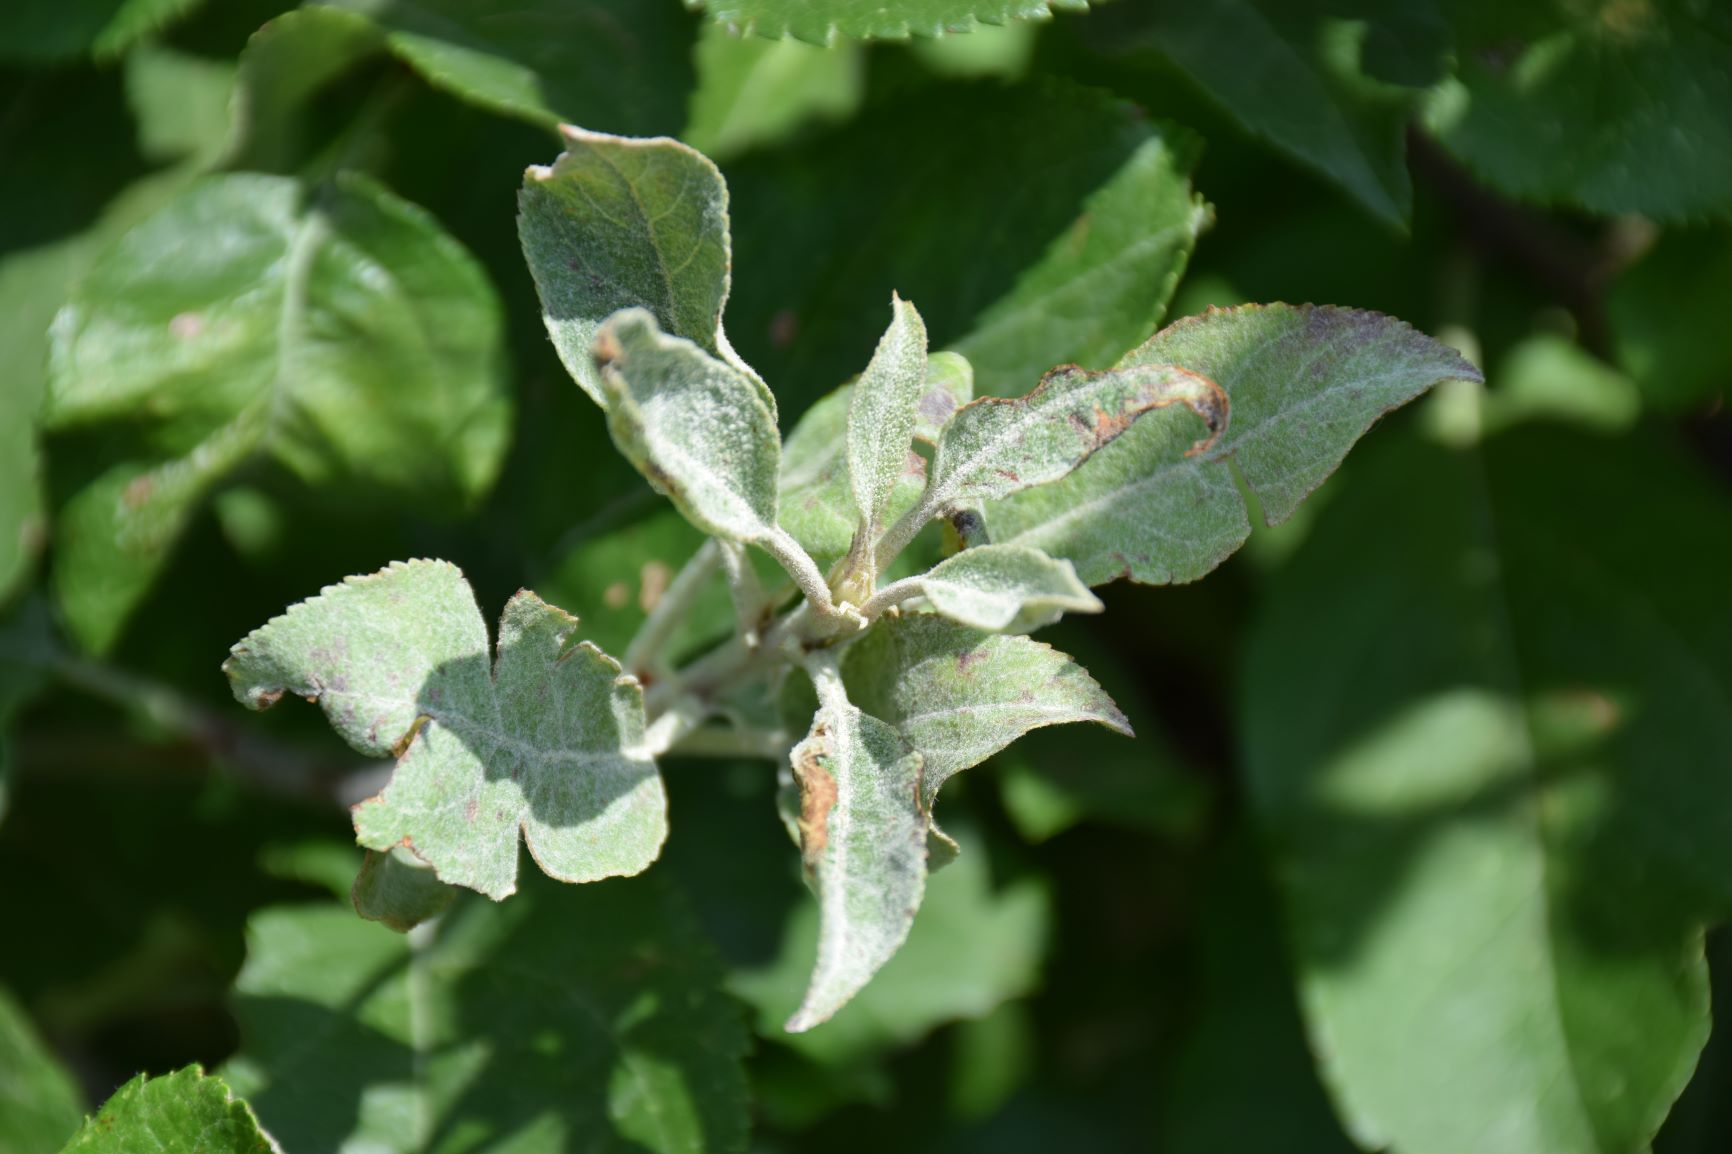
{"x":49,"y":31}
{"x":399,"y":891}
{"x":949,"y":386}
{"x":186,"y":1110}
{"x":753,"y":92}
{"x":862,"y":825}
{"x":974,"y":946}
{"x":822,"y":21}
{"x":39,"y":1102}
{"x":912,"y":195}
{"x":1001,"y":587}
{"x":567,"y":1017}
{"x":1550,"y":377}
{"x":1291,"y":73}
{"x":1665,"y":314}
{"x":1612,"y":108}
{"x":882,"y":413}
{"x":248,"y":319}
{"x":1476,"y":712}
{"x":285,"y":65}
{"x":617,"y":224}
{"x":549,"y":741}
{"x":181,"y":102}
{"x":1304,"y":382}
{"x":958,"y":695}
{"x":815,"y":498}
{"x":622,"y":65}
{"x":702,"y":432}
{"x":994,"y":447}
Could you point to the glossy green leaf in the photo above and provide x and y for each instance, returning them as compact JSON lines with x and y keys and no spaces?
{"x":1293,"y":73}
{"x":821,"y":21}
{"x":995,"y":447}
{"x":702,"y":432}
{"x":998,"y":587}
{"x":564,"y":1018}
{"x":959,"y":695}
{"x":753,"y":92}
{"x":549,"y":740}
{"x":186,"y":1110}
{"x":617,"y":224}
{"x":398,"y":890}
{"x":815,"y":499}
{"x":39,"y":1102}
{"x":862,"y":826}
{"x":1609,"y":107}
{"x":49,"y":31}
{"x":881,"y":414}
{"x":619,"y":65}
{"x":250,"y":318}
{"x":1304,"y":384}
{"x":912,"y":195}
{"x":1476,"y":713}
{"x":974,"y":946}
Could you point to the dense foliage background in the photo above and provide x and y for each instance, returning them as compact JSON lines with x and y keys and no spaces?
{"x":1430,"y":806}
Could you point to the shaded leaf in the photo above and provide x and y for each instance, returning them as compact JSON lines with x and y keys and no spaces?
{"x":1612,"y":108}
{"x":249,"y":319}
{"x":753,"y":92}
{"x":48,"y":31}
{"x":549,"y":740}
{"x":1305,"y":382}
{"x":284,"y":65}
{"x":998,"y":587}
{"x":186,"y":1110}
{"x":1665,"y":312}
{"x":815,"y":500}
{"x":1475,"y":716}
{"x":588,"y":1016}
{"x":821,"y":21}
{"x":702,"y":432}
{"x":39,"y":1102}
{"x":617,"y":224}
{"x":994,"y":447}
{"x":862,"y":826}
{"x":399,"y":891}
{"x":882,"y":413}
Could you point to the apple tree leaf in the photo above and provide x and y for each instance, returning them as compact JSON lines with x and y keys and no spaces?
{"x":186,"y":1110}
{"x":882,"y":413}
{"x":822,"y":21}
{"x":1005,"y":587}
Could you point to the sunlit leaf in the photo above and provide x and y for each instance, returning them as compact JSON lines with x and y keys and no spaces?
{"x":996,"y":587}
{"x":185,"y":1110}
{"x":881,"y":414}
{"x":821,"y":21}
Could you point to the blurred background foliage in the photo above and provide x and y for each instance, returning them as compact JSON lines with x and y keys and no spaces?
{"x":1431,"y":802}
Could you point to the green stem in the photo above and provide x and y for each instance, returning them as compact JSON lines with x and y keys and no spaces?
{"x":645,"y":650}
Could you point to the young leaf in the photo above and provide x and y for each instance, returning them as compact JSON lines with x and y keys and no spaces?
{"x":617,"y":224}
{"x":549,"y":741}
{"x":186,"y":1110}
{"x":1475,"y":715}
{"x":249,"y":318}
{"x":590,"y":1016}
{"x":863,"y":840}
{"x":881,"y":414}
{"x":703,"y":432}
{"x":995,"y":447}
{"x":996,"y":587}
{"x":399,"y":891}
{"x":39,"y":1102}
{"x":949,"y":386}
{"x":753,"y":92}
{"x":822,"y":21}
{"x":1305,"y":383}
{"x":815,"y":500}
{"x":958,"y":695}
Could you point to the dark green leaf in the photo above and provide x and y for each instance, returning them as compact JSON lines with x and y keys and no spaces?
{"x":46,"y":31}
{"x":1665,"y":314}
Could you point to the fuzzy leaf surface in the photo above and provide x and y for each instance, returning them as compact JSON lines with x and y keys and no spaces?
{"x":703,"y":432}
{"x":1475,"y":715}
{"x":994,"y":447}
{"x":882,"y":413}
{"x":822,"y":21}
{"x":548,"y":740}
{"x":1607,"y":108}
{"x":616,"y":224}
{"x":995,"y":587}
{"x":186,"y":1110}
{"x":815,"y":497}
{"x":862,"y":826}
{"x":959,"y":695}
{"x":568,"y":1017}
{"x":1304,"y":383}
{"x":251,"y":319}
{"x":949,"y":386}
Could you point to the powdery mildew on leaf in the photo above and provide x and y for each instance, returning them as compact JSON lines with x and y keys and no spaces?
{"x":549,"y":740}
{"x":187,"y":1110}
{"x":815,"y":501}
{"x":1305,"y":382}
{"x":862,"y":831}
{"x":822,"y":21}
{"x":616,"y":223}
{"x":882,"y":413}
